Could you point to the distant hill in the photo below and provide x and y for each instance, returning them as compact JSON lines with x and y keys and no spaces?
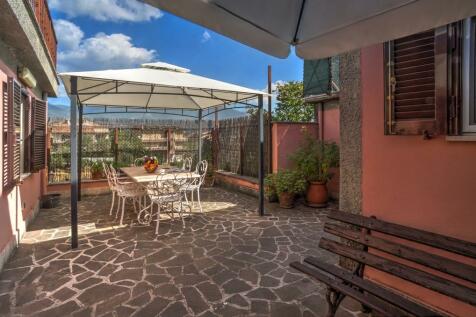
{"x":59,"y":111}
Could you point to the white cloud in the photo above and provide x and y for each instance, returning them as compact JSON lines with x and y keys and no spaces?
{"x":274,"y":86}
{"x":69,"y":34}
{"x":107,"y":10}
{"x":102,"y":51}
{"x":206,"y":36}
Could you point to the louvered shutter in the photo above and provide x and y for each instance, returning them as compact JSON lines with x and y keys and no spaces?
{"x":39,"y":135}
{"x":7,"y":127}
{"x":415,"y":84}
{"x":455,"y":78}
{"x":15,"y":100}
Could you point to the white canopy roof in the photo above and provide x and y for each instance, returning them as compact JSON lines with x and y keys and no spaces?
{"x":155,"y":85}
{"x":318,"y":28}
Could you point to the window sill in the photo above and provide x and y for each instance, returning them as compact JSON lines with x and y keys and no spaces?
{"x":461,"y":138}
{"x":24,"y":176}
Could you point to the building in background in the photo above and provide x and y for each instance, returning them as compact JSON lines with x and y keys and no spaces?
{"x":321,"y":88}
{"x":27,"y":78}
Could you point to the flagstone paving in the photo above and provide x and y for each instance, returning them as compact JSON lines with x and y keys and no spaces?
{"x":226,"y":261}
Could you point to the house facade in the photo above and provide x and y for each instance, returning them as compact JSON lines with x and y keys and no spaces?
{"x":27,"y":78}
{"x":408,"y":141}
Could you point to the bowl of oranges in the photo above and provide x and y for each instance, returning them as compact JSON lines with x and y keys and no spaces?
{"x":150,"y":164}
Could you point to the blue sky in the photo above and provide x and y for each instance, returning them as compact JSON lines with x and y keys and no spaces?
{"x":124,"y":33}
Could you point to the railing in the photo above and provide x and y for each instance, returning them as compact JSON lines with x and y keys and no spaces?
{"x":43,"y":17}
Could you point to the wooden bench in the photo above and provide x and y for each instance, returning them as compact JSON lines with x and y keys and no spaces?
{"x":359,"y":229}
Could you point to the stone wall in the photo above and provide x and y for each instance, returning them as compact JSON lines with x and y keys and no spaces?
{"x":350,"y":140}
{"x":350,"y":133}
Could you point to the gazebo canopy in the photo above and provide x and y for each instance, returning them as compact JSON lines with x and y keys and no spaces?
{"x":318,"y":28}
{"x":155,"y":85}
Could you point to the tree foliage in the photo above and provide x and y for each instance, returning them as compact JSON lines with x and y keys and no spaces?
{"x":290,"y":105}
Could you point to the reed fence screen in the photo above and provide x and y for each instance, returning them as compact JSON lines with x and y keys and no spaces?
{"x":229,"y":145}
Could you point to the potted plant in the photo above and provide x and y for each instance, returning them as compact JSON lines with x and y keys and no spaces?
{"x":314,"y":160}
{"x":288,"y":184}
{"x":270,"y":188}
{"x":96,"y":170}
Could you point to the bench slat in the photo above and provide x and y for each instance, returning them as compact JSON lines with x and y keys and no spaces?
{"x":424,"y":279}
{"x":396,"y":299}
{"x":436,"y":262}
{"x":432,"y":239}
{"x":337,"y":284}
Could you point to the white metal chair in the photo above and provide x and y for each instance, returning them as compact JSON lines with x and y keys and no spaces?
{"x":196,"y":184}
{"x":126,"y":190}
{"x":111,"y":183}
{"x":166,"y":193}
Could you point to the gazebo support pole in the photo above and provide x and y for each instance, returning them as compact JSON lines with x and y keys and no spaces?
{"x":80,"y":147}
{"x":261,"y":156}
{"x":200,"y":135}
{"x":74,"y":163}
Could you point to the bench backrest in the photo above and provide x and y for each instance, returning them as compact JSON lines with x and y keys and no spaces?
{"x":361,"y":230}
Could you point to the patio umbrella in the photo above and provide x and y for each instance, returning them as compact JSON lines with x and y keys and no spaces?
{"x":153,"y":87}
{"x":318,"y":28}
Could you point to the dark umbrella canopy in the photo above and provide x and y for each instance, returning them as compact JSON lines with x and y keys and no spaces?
{"x":317,"y":28}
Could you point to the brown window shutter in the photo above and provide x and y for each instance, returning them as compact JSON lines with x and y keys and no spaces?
{"x":15,"y":100}
{"x":455,"y":79}
{"x":39,"y":135}
{"x":7,"y":150}
{"x":415,"y":84}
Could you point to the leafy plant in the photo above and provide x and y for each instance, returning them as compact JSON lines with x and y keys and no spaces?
{"x":270,"y":185}
{"x":96,"y":167}
{"x":313,"y":159}
{"x":288,"y":181}
{"x":290,"y":105}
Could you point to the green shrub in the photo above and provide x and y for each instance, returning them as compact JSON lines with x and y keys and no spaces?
{"x":288,"y":181}
{"x":314,"y":158}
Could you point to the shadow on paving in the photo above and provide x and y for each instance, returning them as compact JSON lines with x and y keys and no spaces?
{"x":226,"y":261}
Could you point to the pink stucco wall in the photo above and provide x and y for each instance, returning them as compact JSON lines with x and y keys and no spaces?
{"x":287,"y":138}
{"x":425,"y":184}
{"x":329,"y":119}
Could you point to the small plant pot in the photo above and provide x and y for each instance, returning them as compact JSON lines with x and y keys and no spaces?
{"x":209,"y":181}
{"x":50,"y":201}
{"x":286,"y":200}
{"x":272,"y":198}
{"x":317,"y":195}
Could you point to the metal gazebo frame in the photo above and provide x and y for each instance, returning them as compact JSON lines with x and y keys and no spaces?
{"x":76,"y":117}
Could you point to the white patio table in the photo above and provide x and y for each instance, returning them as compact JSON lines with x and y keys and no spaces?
{"x":138,"y":174}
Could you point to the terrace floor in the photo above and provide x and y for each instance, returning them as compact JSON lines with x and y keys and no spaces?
{"x":227,"y":261}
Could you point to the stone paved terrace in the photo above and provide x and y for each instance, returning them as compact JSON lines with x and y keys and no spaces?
{"x":225,"y":262}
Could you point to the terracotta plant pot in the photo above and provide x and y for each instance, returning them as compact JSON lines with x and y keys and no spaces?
{"x":317,"y":194}
{"x":286,"y":200}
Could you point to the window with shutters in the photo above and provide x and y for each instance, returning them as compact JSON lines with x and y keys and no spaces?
{"x":39,"y":135}
{"x":26,"y":134}
{"x":16,"y":105}
{"x":415,"y":84}
{"x":7,"y":137}
{"x":23,"y":134}
{"x":468,"y":76}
